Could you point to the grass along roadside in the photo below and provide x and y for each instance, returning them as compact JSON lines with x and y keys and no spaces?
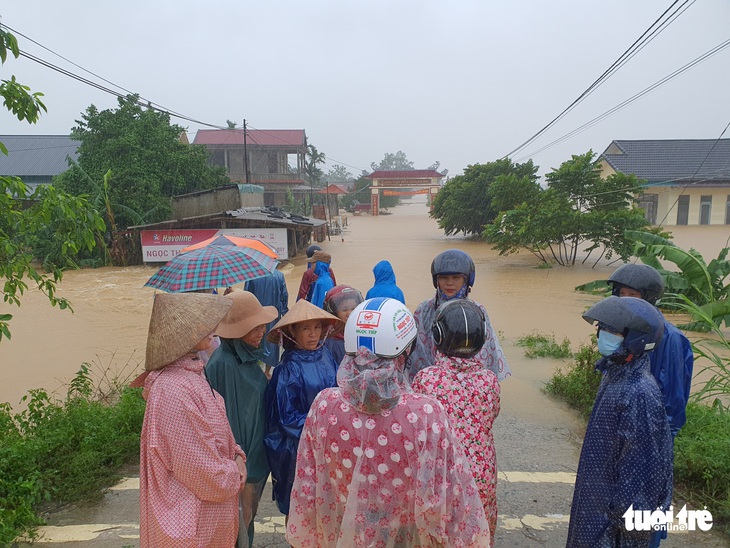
{"x":59,"y":451}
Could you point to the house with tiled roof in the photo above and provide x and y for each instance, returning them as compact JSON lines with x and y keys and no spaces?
{"x":272,"y":158}
{"x":36,"y":159}
{"x":687,"y":180}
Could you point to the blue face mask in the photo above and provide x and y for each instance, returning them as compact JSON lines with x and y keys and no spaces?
{"x":608,"y":342}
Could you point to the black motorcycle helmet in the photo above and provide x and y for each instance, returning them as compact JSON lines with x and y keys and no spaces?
{"x":640,"y":277}
{"x":453,"y":261}
{"x":460,"y":328}
{"x":311,"y":249}
{"x":641,"y":324}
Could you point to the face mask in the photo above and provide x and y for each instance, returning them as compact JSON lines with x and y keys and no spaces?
{"x":608,"y":342}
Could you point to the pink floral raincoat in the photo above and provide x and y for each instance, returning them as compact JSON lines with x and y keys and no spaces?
{"x":470,"y":395}
{"x":189,"y":482}
{"x":379,"y":466}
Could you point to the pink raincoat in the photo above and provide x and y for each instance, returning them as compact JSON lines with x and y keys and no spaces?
{"x":470,"y":395}
{"x":378,"y":466}
{"x":189,"y":482}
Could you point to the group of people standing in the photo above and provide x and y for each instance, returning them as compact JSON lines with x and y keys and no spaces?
{"x":374,"y":423}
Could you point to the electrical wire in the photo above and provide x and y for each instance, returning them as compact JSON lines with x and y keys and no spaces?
{"x":702,"y":58}
{"x":646,"y":37}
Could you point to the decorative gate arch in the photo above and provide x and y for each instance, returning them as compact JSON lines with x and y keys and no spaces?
{"x":403,"y":183}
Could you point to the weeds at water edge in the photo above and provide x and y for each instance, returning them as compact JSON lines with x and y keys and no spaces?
{"x":540,"y":345}
{"x":58,"y":451}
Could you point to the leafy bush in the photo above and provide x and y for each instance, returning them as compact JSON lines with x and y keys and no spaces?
{"x":578,"y":385}
{"x":702,"y":461}
{"x":539,"y":345}
{"x":63,"y":451}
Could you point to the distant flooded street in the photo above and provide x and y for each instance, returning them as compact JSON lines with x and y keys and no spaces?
{"x":109,"y":326}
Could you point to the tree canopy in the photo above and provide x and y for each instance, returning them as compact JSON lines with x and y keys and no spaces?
{"x":467,"y":204}
{"x":390,"y":162}
{"x":46,"y":226}
{"x":578,"y":210}
{"x":149,"y":164}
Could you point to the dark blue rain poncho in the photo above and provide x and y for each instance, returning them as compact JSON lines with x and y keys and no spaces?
{"x":385,"y":283}
{"x":270,"y":291}
{"x":671,"y":365}
{"x":626,"y":458}
{"x":321,"y":285}
{"x":296,"y":381}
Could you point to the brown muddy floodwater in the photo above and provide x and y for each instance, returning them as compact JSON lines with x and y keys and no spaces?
{"x":111,"y":307}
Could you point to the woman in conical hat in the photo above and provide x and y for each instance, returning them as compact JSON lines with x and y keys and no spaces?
{"x":191,"y":469}
{"x":306,"y":368}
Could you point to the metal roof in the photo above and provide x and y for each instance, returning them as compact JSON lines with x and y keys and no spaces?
{"x":263,"y":215}
{"x":37,"y":155}
{"x":261,"y":137}
{"x":672,"y":160}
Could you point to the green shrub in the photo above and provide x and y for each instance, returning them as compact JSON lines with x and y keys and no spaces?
{"x":63,"y":451}
{"x":702,"y":461}
{"x":578,"y":385}
{"x":539,"y":345}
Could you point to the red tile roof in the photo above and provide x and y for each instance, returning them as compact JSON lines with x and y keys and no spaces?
{"x":404,"y":174}
{"x":265,"y":137}
{"x":332,"y":189}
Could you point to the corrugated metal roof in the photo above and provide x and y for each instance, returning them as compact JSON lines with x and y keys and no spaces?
{"x":263,"y":137}
{"x":671,"y":160}
{"x":39,"y":155}
{"x":404,"y":174}
{"x":263,"y":215}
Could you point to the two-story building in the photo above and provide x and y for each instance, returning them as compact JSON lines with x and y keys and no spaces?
{"x":273,"y":159}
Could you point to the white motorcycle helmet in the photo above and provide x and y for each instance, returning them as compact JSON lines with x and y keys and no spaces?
{"x":382,"y":325}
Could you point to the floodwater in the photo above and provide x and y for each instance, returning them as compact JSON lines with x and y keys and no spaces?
{"x":108,"y":328}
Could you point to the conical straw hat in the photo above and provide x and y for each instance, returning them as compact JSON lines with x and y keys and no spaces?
{"x":301,"y":312}
{"x":179,"y":321}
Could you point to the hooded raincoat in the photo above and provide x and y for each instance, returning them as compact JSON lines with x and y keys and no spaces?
{"x":470,"y":395}
{"x":379,"y":465}
{"x":626,"y":458}
{"x":189,"y":482}
{"x":671,"y":365}
{"x":385,"y":283}
{"x":234,"y":372}
{"x":296,"y":381}
{"x":321,"y":285}
{"x":270,"y":291}
{"x":424,"y":351}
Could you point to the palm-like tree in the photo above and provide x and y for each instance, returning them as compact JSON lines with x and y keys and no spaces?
{"x":313,"y":159}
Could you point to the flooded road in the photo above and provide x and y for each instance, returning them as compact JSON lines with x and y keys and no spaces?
{"x":537,"y":438}
{"x":109,"y":326}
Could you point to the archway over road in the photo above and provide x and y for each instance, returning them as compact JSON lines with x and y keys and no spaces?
{"x":403,"y":183}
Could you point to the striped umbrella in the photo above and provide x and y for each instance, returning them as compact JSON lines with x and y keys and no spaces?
{"x":212,"y":266}
{"x":225,"y":239}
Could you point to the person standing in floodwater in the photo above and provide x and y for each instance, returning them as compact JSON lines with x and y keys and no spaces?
{"x":453,"y":273}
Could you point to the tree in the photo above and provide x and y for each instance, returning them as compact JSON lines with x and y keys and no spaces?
{"x":231,"y":124}
{"x":464,"y":204}
{"x":47,"y":225}
{"x":391,"y":162}
{"x":578,"y":208}
{"x":339,"y":174}
{"x":149,"y":163}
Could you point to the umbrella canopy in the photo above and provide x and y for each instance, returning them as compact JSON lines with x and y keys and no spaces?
{"x":224,"y":239}
{"x":212,"y":266}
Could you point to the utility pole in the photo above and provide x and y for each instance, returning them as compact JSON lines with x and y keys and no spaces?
{"x":245,"y":153}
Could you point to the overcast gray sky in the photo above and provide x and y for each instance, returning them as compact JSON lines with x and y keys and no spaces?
{"x":460,"y":82}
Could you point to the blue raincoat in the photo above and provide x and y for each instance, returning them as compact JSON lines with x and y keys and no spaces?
{"x":626,"y":458}
{"x":385,"y":283}
{"x":296,"y":381}
{"x":671,"y":365}
{"x":321,"y":285}
{"x":270,"y":291}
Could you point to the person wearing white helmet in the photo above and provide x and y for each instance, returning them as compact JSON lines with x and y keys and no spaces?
{"x":378,"y":465}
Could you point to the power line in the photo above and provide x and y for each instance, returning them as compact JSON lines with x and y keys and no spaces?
{"x":646,"y":37}
{"x":631,"y":99}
